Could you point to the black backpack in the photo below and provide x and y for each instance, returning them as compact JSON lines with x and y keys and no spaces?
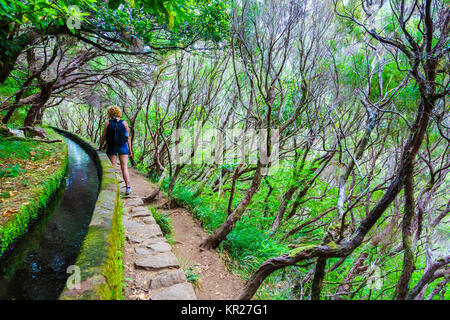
{"x":116,"y":134}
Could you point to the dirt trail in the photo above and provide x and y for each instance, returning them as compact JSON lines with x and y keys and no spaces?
{"x":216,"y":282}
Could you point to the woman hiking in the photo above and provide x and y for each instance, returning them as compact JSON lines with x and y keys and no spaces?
{"x":116,"y":135}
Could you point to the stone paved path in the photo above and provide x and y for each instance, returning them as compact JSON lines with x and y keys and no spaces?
{"x":151,"y":269}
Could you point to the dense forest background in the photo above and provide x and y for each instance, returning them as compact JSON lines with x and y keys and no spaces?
{"x":345,"y":195}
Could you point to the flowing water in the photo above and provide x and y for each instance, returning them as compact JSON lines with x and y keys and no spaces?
{"x":35,"y":267}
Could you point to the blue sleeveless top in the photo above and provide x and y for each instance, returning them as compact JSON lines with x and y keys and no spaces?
{"x":116,"y":138}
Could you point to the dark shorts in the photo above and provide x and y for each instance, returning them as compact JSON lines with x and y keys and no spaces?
{"x":113,"y":151}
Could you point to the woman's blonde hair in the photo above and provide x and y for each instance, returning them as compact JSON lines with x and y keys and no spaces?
{"x":114,"y":111}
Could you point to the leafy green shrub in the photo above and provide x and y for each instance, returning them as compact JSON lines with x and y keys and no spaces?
{"x":165,"y":223}
{"x":192,"y":276}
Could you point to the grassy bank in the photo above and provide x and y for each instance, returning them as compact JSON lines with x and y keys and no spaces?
{"x":30,"y":173}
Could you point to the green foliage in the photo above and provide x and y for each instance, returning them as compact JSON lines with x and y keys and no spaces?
{"x":162,"y":24}
{"x":165,"y":223}
{"x":39,"y":13}
{"x":16,"y":148}
{"x":165,"y":11}
{"x":20,"y":148}
{"x":11,"y":171}
{"x":193,"y":276}
{"x":135,"y":25}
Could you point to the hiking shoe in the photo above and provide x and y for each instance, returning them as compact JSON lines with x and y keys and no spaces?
{"x":128,"y":191}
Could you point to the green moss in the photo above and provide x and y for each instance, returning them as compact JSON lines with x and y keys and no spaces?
{"x":93,"y":253}
{"x":300,"y":249}
{"x":101,"y":256}
{"x":332,"y":245}
{"x":113,"y":266}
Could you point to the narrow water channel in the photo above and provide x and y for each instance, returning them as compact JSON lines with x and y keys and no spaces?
{"x":35,"y":267}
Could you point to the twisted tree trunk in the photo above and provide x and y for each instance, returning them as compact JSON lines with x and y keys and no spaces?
{"x":221,"y":233}
{"x":402,"y":288}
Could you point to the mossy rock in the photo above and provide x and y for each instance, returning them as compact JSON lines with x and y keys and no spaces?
{"x":4,"y":131}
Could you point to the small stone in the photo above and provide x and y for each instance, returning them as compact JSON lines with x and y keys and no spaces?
{"x":157,"y":261}
{"x":131,"y":226}
{"x":136,"y":209}
{"x":149,"y":220}
{"x":150,"y":231}
{"x":167,"y":279}
{"x":141,"y":213}
{"x":143,"y":251}
{"x":17,"y":133}
{"x":133,"y":202}
{"x":180,"y":291}
{"x":160,"y":247}
{"x":134,"y":239}
{"x":154,"y":240}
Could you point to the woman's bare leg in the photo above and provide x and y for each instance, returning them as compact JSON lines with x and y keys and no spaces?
{"x":113,"y":160}
{"x":123,"y":158}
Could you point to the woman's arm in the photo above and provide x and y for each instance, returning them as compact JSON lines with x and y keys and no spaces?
{"x":102,"y":138}
{"x":129,"y":137}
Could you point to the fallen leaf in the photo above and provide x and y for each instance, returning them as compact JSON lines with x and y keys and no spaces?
{"x":9,"y":212}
